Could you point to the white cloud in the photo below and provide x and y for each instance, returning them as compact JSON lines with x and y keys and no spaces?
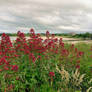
{"x":23,"y":28}
{"x":69,"y":27}
{"x":7,"y":18}
{"x":48,"y":19}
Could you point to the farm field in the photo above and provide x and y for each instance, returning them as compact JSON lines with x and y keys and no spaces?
{"x":45,"y":64}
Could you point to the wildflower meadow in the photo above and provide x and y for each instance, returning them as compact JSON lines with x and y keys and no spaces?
{"x":38,"y":65}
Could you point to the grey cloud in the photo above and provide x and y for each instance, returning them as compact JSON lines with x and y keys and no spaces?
{"x":46,"y":14}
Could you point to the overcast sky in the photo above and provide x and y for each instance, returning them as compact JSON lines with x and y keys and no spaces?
{"x":53,"y":15}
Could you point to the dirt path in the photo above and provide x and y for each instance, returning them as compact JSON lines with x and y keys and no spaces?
{"x":65,"y":39}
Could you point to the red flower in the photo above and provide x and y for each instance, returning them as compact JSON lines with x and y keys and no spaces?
{"x":16,"y":55}
{"x":32,"y":57}
{"x":0,"y":70}
{"x":3,"y":34}
{"x":81,"y":53}
{"x":72,"y":46}
{"x":3,"y":61}
{"x":77,"y":66}
{"x":6,"y":67}
{"x":47,"y":34}
{"x":51,"y":74}
{"x":65,"y":52}
{"x":32,"y":30}
{"x":76,"y":49}
{"x":14,"y":67}
{"x":10,"y":87}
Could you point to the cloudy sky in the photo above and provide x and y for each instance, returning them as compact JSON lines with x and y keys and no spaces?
{"x":59,"y":16}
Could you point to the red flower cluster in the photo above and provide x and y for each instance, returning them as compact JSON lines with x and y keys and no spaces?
{"x":7,"y":52}
{"x":36,"y":49}
{"x":5,"y":65}
{"x":51,"y":74}
{"x":14,"y":68}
